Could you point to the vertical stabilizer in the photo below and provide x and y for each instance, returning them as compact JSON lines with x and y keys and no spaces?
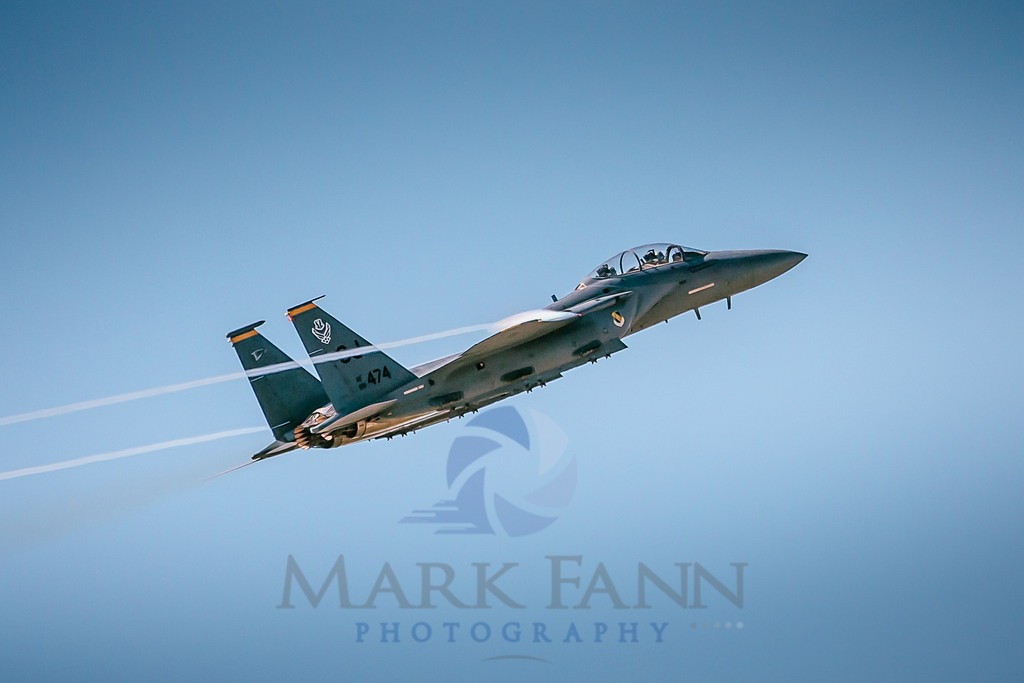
{"x":352,"y":382}
{"x":287,"y":393}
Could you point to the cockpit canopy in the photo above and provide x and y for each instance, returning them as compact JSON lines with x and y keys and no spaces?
{"x":643,"y":258}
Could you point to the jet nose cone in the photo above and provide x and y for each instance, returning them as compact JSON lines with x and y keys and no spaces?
{"x":772,"y":263}
{"x":784,"y":260}
{"x":753,"y":268}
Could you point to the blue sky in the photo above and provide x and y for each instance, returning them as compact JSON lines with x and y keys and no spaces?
{"x":170,"y":172}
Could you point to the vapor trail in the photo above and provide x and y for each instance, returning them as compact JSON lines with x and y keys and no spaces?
{"x":119,"y":398}
{"x":127,"y":452}
{"x":184,"y":386}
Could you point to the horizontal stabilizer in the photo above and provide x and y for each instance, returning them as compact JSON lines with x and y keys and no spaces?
{"x":276,"y":448}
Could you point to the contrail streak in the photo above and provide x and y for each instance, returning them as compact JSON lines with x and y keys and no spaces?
{"x":230,"y":377}
{"x":127,"y":452}
{"x":119,"y":398}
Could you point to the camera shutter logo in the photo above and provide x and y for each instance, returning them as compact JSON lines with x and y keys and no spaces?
{"x":503,"y":479}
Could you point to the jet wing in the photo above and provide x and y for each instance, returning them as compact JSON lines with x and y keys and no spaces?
{"x":528,"y":326}
{"x":517,"y":330}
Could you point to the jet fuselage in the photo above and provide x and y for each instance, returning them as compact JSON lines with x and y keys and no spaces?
{"x":372,"y":396}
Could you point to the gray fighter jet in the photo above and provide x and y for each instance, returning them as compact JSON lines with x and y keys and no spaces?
{"x":364,"y":394}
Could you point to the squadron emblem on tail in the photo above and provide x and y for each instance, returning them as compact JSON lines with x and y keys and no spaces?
{"x":322,"y":331}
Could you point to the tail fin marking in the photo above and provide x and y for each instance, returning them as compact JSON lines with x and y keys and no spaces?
{"x":352,"y":382}
{"x":287,"y":397}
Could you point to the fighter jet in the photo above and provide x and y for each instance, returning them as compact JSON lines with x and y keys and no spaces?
{"x":362,"y":393}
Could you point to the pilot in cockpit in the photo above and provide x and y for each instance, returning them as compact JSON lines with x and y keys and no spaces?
{"x":653,"y":258}
{"x":605,"y":271}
